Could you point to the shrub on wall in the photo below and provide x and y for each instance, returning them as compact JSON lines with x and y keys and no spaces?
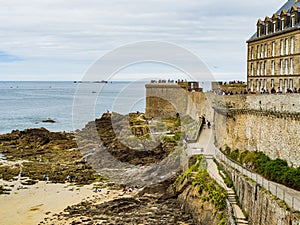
{"x":276,"y":170}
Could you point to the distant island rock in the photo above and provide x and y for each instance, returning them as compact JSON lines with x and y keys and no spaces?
{"x":48,"y":121}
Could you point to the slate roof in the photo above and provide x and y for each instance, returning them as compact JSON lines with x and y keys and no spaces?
{"x":287,"y":6}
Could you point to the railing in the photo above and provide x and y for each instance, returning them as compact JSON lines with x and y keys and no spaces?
{"x":286,"y":194}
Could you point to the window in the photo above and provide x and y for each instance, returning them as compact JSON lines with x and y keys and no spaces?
{"x":252,"y":69}
{"x":261,"y":69}
{"x":291,"y":84}
{"x":265,"y":68}
{"x":273,"y":67}
{"x":286,"y":71}
{"x":281,"y":66}
{"x":258,"y":31}
{"x":274,"y":26}
{"x":292,"y":66}
{"x":293,"y":20}
{"x":286,"y":81}
{"x":257,"y":68}
{"x":252,"y":53}
{"x":265,"y":84}
{"x":286,"y":46}
{"x":292,"y":45}
{"x":258,"y":51}
{"x":251,"y":84}
{"x":267,"y":28}
{"x":272,"y":83}
{"x":266,"y":50}
{"x":262,"y":51}
{"x":281,"y":47}
{"x":282,"y":24}
{"x":273,"y":48}
{"x":280,"y":84}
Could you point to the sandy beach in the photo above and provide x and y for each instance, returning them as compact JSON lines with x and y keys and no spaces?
{"x":31,"y":205}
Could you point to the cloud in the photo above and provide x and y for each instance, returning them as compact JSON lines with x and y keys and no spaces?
{"x":70,"y":35}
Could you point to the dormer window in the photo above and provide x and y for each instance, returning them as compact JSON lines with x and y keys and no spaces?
{"x":259,"y":28}
{"x":293,"y":20}
{"x":274,"y":23}
{"x":282,"y":24}
{"x":294,"y":16}
{"x":267,"y":25}
{"x":274,"y":26}
{"x":283,"y":20}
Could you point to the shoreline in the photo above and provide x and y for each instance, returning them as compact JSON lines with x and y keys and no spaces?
{"x":35,"y":203}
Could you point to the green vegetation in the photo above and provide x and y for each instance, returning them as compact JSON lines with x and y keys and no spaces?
{"x":209,"y":190}
{"x":276,"y":170}
{"x":225,"y":176}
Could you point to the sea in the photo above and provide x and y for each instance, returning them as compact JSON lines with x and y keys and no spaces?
{"x":26,"y":104}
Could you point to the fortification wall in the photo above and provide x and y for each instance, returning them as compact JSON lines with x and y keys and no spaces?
{"x":267,"y":123}
{"x":165,"y":100}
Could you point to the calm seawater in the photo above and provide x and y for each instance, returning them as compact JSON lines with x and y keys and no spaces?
{"x":26,"y":104}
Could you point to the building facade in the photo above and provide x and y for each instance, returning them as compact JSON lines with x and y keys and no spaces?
{"x":273,"y":61}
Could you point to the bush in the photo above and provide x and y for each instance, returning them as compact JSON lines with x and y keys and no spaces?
{"x":275,"y":170}
{"x":235,"y":154}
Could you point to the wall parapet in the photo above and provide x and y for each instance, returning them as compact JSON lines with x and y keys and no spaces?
{"x":230,"y":112}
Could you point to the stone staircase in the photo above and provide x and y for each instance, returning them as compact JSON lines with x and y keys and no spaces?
{"x":238,"y":213}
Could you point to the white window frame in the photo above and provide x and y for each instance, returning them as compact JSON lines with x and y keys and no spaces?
{"x":266,"y":50}
{"x":292,"y":45}
{"x":281,"y":47}
{"x":292,"y":66}
{"x":291,"y":84}
{"x":286,"y":71}
{"x":273,"y":67}
{"x":274,"y":26}
{"x":282,"y":23}
{"x":293,"y":20}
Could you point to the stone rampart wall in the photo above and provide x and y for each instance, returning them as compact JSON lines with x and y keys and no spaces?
{"x":262,"y":207}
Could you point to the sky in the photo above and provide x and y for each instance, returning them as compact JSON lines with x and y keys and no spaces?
{"x":61,"y":39}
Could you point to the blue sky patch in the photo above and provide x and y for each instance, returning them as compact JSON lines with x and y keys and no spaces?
{"x":5,"y":57}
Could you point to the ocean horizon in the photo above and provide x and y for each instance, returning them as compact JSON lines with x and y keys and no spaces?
{"x":25,"y":104}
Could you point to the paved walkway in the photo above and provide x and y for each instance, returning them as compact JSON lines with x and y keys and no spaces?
{"x":204,"y":147}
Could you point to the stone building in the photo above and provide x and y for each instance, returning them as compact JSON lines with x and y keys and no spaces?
{"x":274,"y":51}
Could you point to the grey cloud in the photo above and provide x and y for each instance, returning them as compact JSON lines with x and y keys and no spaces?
{"x":57,"y":31}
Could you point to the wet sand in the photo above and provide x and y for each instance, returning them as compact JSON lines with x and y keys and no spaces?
{"x":32,"y":205}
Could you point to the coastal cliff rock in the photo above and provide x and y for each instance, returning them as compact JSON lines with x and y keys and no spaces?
{"x":119,"y":135}
{"x":43,"y":155}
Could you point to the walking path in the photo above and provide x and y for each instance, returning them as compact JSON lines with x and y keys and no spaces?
{"x":202,"y":146}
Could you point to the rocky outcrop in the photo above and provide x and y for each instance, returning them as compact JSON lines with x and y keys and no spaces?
{"x":149,"y":206}
{"x":43,"y":155}
{"x":121,"y":139}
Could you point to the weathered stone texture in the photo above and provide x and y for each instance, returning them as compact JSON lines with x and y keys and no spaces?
{"x":262,"y":208}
